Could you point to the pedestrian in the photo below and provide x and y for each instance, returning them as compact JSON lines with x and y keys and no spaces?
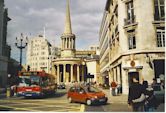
{"x":145,"y":85}
{"x":76,"y":84}
{"x":113,"y":88}
{"x":150,"y":102}
{"x":136,"y":96}
{"x":154,"y":82}
{"x":119,"y":88}
{"x":12,"y":90}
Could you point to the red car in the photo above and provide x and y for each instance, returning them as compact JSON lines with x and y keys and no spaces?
{"x":88,"y":94}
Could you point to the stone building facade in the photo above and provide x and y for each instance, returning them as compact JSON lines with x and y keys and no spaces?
{"x":132,"y":41}
{"x":68,"y":67}
{"x":40,"y":54}
{"x":74,"y":65}
{"x":91,"y":60}
{"x":4,"y":47}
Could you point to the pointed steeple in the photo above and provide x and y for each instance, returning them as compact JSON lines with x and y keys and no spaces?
{"x":68,"y":29}
{"x":68,"y":38}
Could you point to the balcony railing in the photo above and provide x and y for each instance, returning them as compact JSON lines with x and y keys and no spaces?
{"x":129,"y":21}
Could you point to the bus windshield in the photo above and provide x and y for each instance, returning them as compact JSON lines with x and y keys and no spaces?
{"x":29,"y":80}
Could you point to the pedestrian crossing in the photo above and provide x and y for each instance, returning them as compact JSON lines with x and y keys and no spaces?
{"x":54,"y":105}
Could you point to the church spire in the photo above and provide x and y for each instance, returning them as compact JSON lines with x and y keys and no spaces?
{"x":68,"y":38}
{"x":68,"y":29}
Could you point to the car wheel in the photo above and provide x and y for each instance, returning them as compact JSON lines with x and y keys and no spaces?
{"x":88,"y":102}
{"x":69,"y":100}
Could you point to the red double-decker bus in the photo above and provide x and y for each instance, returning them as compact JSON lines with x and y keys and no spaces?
{"x":36,"y":84}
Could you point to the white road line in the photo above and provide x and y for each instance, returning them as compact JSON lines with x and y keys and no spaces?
{"x":82,"y":109}
{"x":73,"y":107}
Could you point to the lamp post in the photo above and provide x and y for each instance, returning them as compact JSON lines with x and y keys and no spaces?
{"x":8,"y":91}
{"x":21,"y":44}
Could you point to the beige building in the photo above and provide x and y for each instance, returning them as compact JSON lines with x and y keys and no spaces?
{"x":132,"y":41}
{"x":4,"y":47}
{"x":91,"y":60}
{"x":95,"y":48}
{"x":40,"y":54}
{"x":93,"y":68}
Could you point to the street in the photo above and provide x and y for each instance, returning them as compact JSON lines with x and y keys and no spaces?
{"x":57,"y":103}
{"x":110,"y":107}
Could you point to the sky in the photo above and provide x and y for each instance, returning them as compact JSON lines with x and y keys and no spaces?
{"x":31,"y":16}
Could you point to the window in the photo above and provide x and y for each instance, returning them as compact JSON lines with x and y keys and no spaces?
{"x":116,"y":11}
{"x":79,"y":89}
{"x":159,"y":9}
{"x":130,"y":13}
{"x":42,"y":53}
{"x":132,"y":42}
{"x":130,"y":10}
{"x":112,"y":2}
{"x":160,"y":37}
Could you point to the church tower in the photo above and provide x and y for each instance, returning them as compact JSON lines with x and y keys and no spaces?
{"x":67,"y":38}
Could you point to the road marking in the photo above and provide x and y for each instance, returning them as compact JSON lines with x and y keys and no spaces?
{"x":38,"y":108}
{"x":82,"y":109}
{"x":39,"y":104}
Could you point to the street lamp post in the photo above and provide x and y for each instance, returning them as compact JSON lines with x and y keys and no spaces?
{"x":21,"y":44}
{"x":8,"y":91}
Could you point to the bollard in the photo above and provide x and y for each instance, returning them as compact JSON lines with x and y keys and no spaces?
{"x":8,"y":93}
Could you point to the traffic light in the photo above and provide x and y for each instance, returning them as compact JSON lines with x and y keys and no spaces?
{"x":28,"y":68}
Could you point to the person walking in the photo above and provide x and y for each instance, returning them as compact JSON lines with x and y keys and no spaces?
{"x":113,"y":88}
{"x":136,"y":91}
{"x":150,"y":102}
{"x":154,"y":83}
{"x":119,"y":88}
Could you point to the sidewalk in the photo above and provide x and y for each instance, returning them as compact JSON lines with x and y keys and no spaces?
{"x":118,"y":103}
{"x":121,"y":98}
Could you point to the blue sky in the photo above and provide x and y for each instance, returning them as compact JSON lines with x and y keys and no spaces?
{"x":30,"y":16}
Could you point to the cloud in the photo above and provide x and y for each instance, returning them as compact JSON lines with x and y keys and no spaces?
{"x":30,"y":16}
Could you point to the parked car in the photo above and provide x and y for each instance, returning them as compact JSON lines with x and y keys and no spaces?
{"x":61,"y":86}
{"x":159,"y":92}
{"x":86,"y":94}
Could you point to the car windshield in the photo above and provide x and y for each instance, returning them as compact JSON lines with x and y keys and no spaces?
{"x":29,"y":80}
{"x":92,"y":89}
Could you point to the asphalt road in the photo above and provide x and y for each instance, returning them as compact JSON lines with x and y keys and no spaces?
{"x":59,"y":103}
{"x":56,"y":103}
{"x":109,"y":107}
